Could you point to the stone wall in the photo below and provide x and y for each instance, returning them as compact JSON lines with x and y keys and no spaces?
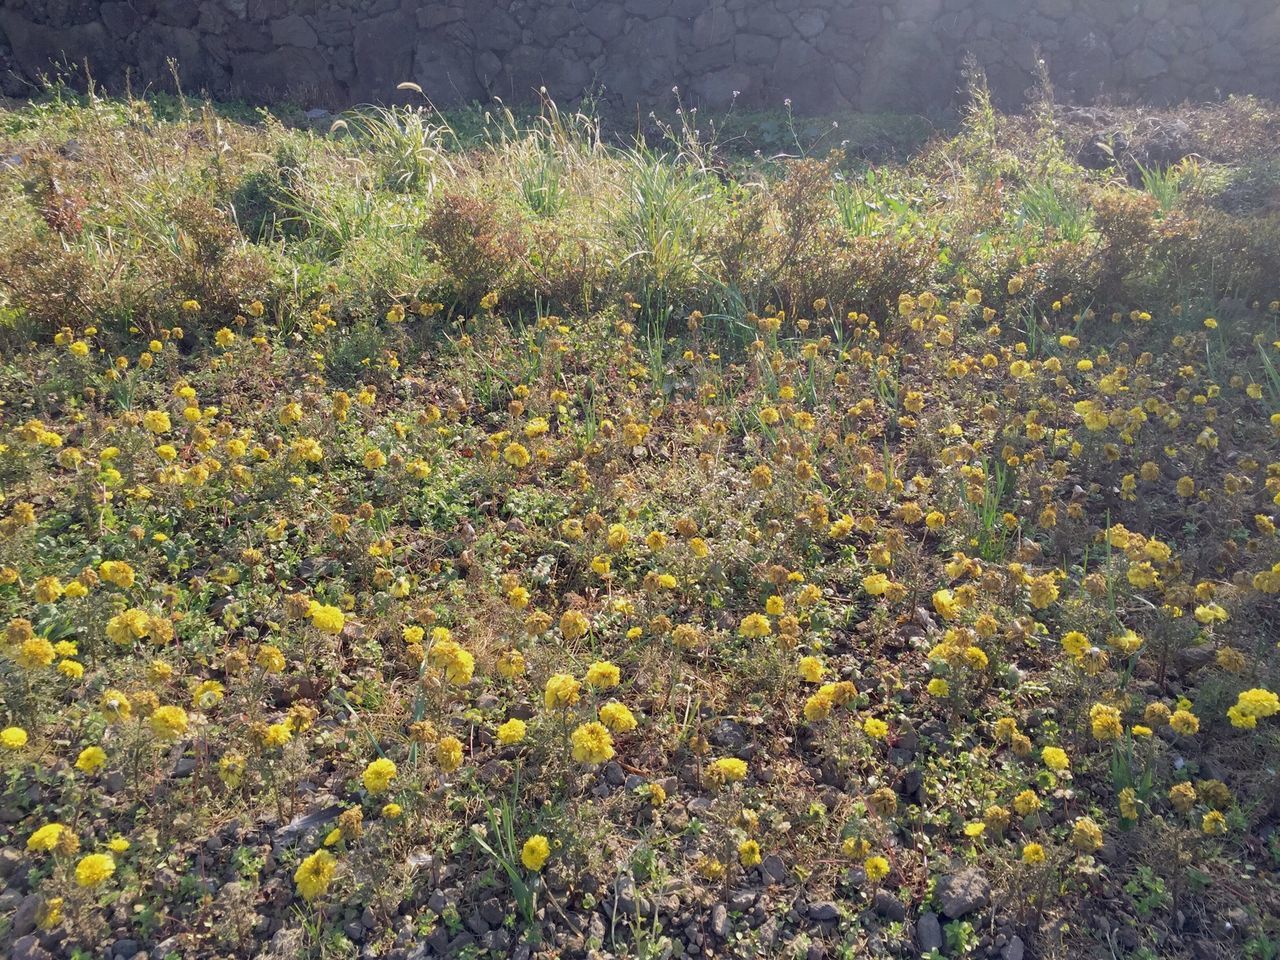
{"x":822,"y":54}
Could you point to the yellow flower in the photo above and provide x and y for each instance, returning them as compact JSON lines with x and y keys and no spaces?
{"x":13,"y":738}
{"x":1086,"y":836}
{"x":811,"y":669}
{"x":1184,"y":722}
{"x":1128,"y":803}
{"x":207,"y":695}
{"x":168,"y":722}
{"x":1026,"y":803}
{"x":270,"y":658}
{"x":35,"y":652}
{"x":157,"y":421}
{"x":877,"y":868}
{"x":117,"y":844}
{"x":513,"y":731}
{"x":511,"y":663}
{"x":277,"y":735}
{"x":224,"y":338}
{"x":561,"y":692}
{"x":516,"y":455}
{"x":727,"y":770}
{"x":535,"y":852}
{"x":91,"y":759}
{"x":1214,"y":823}
{"x":46,"y":838}
{"x":95,"y":869}
{"x":749,"y":854}
{"x":875,"y":729}
{"x":231,"y":768}
{"x":939,"y":687}
{"x":755,"y":625}
{"x":617,"y":537}
{"x":602,"y":675}
{"x":314,"y":874}
{"x":1105,"y":722}
{"x":392,"y":811}
{"x":1033,"y":853}
{"x":48,"y":589}
{"x":449,"y":754}
{"x":115,"y":706}
{"x":127,"y":626}
{"x":326,"y":618}
{"x":1251,"y":706}
{"x":378,"y":775}
{"x":944,"y":602}
{"x":617,"y":717}
{"x":573,"y":625}
{"x":1055,"y":758}
{"x":592,"y":743}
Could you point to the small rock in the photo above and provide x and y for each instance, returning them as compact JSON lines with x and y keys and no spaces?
{"x":962,"y":893}
{"x":126,"y":948}
{"x":824,"y":911}
{"x":184,"y":767}
{"x":438,"y":941}
{"x":10,"y":860}
{"x":720,"y":921}
{"x":741,"y":900}
{"x":28,"y":948}
{"x":24,"y":918}
{"x":624,"y":896}
{"x":887,"y":905}
{"x":773,"y":869}
{"x":1014,"y":949}
{"x":728,"y":735}
{"x":460,"y":943}
{"x":929,"y":932}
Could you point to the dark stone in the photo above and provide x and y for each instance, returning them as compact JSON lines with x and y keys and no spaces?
{"x":824,"y":911}
{"x":120,"y":19}
{"x":294,"y":31}
{"x":24,"y":918}
{"x":960,"y":894}
{"x":28,"y":948}
{"x":383,"y":49}
{"x":887,"y":905}
{"x":928,"y":932}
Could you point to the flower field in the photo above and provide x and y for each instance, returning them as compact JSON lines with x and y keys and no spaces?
{"x":487,"y":536}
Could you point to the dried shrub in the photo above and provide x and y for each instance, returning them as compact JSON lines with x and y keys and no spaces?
{"x":476,"y":244}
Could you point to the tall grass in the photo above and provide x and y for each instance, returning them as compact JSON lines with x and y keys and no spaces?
{"x":661,"y":222}
{"x":410,"y":145}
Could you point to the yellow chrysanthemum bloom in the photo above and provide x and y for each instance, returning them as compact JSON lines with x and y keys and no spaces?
{"x":95,"y":870}
{"x":314,"y":874}
{"x":378,"y":775}
{"x":535,"y":852}
{"x":592,"y":743}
